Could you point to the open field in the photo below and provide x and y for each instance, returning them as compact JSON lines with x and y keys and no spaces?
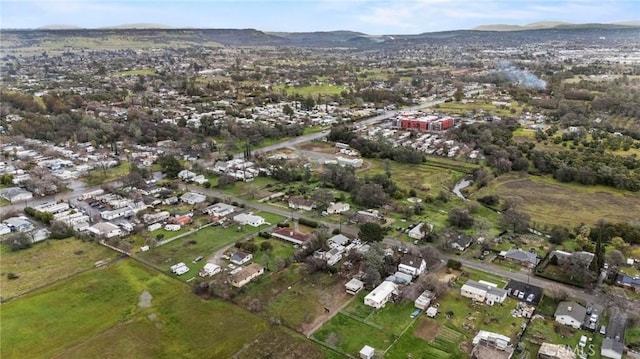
{"x":136,"y":72}
{"x":98,"y":176}
{"x":171,"y":322}
{"x":47,"y":262}
{"x":202,"y":243}
{"x":550,"y":202}
{"x":294,"y":297}
{"x":477,"y":107}
{"x":522,"y":135}
{"x":312,"y":90}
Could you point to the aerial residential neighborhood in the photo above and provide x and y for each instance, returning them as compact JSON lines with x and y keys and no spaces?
{"x":242,"y":193}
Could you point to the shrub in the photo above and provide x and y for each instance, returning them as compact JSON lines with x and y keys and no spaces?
{"x":308,"y":222}
{"x":454,"y":264}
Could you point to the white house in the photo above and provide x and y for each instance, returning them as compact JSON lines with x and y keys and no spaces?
{"x":193,"y":198}
{"x":186,"y":175}
{"x":117,"y":213}
{"x":299,"y":202}
{"x":338,"y":208}
{"x":413,"y":265}
{"x":483,"y":292}
{"x":209,"y":270}
{"x":338,"y":240}
{"x":105,"y":229}
{"x":381,"y":295}
{"x":220,"y":209}
{"x":15,"y":194}
{"x":417,"y":232}
{"x":353,"y":162}
{"x":424,"y":300}
{"x":18,"y":224}
{"x":571,"y":314}
{"x":249,"y":218}
{"x":354,"y":286}
{"x":246,"y":274}
{"x":241,"y":258}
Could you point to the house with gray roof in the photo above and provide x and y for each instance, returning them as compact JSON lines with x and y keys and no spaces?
{"x":15,"y":194}
{"x":482,"y":291}
{"x":519,"y":256}
{"x":571,"y":314}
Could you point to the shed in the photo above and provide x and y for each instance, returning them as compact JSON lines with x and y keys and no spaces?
{"x":354,"y":286}
{"x":432,"y":312}
{"x":367,"y":352}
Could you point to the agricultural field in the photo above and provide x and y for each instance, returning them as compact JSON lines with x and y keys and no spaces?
{"x":550,"y":202}
{"x":46,"y":263}
{"x":135,"y":312}
{"x":295,"y":298}
{"x":204,"y":242}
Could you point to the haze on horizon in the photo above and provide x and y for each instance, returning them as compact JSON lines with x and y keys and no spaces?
{"x":372,"y":17}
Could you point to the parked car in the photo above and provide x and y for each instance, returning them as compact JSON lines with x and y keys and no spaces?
{"x":521,"y":295}
{"x":531,"y":297}
{"x":198,"y":259}
{"x":603,"y":330}
{"x":415,"y":313}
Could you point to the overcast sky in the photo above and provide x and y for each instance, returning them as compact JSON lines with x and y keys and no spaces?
{"x":372,"y":17}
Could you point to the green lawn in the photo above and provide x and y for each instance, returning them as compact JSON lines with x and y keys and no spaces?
{"x":547,"y":330}
{"x":98,"y":176}
{"x":312,"y":90}
{"x":54,"y":322}
{"x":207,"y":241}
{"x":47,"y":262}
{"x":444,"y":345}
{"x":350,"y":335}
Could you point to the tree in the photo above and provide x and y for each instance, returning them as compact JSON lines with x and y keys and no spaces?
{"x":170,"y":166}
{"x":454,"y":264}
{"x":432,"y":283}
{"x":371,"y":232}
{"x":615,"y":258}
{"x":458,"y":95}
{"x":515,"y":220}
{"x":19,"y":241}
{"x":576,"y":267}
{"x":460,"y":217}
{"x":322,"y":197}
{"x":287,"y":110}
{"x":371,"y":195}
{"x":619,"y":244}
{"x":60,"y":230}
{"x":266,"y":246}
{"x":559,"y":234}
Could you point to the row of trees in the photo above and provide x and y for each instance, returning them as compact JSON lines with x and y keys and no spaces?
{"x":375,"y":148}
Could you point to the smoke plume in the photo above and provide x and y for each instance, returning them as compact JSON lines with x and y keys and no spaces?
{"x":518,"y":76}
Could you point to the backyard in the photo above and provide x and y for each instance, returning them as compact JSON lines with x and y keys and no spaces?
{"x":201,"y":243}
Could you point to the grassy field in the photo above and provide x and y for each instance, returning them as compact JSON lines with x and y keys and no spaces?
{"x":135,"y":72}
{"x":202,"y":243}
{"x":477,"y":107}
{"x":98,"y":176}
{"x":550,"y":202}
{"x":312,"y":90}
{"x":541,"y":330}
{"x":173,"y":323}
{"x":521,"y":135}
{"x":295,"y":297}
{"x":47,"y":262}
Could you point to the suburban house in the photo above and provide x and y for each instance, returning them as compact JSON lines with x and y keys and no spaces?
{"x":412,"y":265}
{"x":519,"y":256}
{"x":246,"y":274}
{"x":209,"y":270}
{"x":488,"y":345}
{"x":150,"y":218}
{"x":555,"y":351}
{"x":338,"y":208}
{"x":626,"y":280}
{"x":612,"y":345}
{"x":18,"y":224}
{"x":299,"y":202}
{"x":249,"y":218}
{"x":338,"y":240}
{"x":220,"y":209}
{"x":584,"y":257}
{"x":240,"y":258}
{"x":381,"y":295}
{"x":290,"y":235}
{"x":419,"y":231}
{"x":460,"y":242}
{"x":424,"y":300}
{"x":193,"y":198}
{"x":354,"y":286}
{"x":571,"y":314}
{"x":482,"y":291}
{"x":171,"y":200}
{"x":186,"y":175}
{"x":15,"y":194}
{"x":117,"y":213}
{"x":372,"y":216}
{"x":105,"y":229}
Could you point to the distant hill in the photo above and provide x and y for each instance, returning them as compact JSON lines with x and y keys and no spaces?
{"x":59,"y":27}
{"x":551,"y":25}
{"x":140,"y":25}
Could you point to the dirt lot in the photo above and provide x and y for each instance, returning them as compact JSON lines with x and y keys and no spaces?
{"x":427,"y":330}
